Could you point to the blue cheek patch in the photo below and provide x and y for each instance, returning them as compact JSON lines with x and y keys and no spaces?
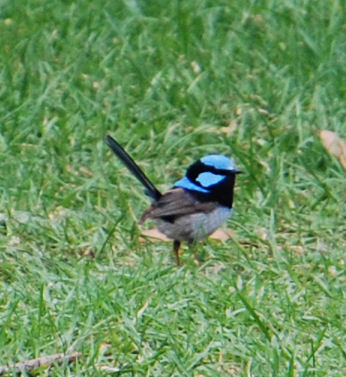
{"x":207,"y":179}
{"x":185,"y":183}
{"x":218,"y":161}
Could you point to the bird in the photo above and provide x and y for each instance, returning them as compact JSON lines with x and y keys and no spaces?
{"x":196,"y":205}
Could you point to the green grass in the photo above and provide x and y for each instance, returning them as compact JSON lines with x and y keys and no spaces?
{"x":172,"y":81}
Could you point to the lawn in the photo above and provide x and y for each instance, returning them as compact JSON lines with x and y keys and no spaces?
{"x":172,"y":81}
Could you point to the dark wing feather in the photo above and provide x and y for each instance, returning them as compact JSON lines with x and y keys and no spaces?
{"x":176,"y":202}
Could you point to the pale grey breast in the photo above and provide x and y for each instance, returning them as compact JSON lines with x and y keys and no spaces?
{"x":194,"y":226}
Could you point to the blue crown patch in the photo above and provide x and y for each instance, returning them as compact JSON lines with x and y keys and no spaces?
{"x":219,"y":161}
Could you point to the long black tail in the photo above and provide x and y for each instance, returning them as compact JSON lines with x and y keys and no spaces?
{"x":150,"y":189}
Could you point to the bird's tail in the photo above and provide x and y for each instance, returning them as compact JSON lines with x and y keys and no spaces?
{"x":127,"y":160}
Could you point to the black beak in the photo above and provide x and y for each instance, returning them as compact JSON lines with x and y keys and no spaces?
{"x":238,"y":172}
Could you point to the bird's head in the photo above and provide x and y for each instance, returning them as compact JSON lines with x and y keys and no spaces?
{"x":212,"y":176}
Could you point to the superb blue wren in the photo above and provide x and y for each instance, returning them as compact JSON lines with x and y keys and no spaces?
{"x":196,"y":205}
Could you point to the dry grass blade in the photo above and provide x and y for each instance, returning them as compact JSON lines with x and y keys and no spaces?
{"x":334,"y":145}
{"x":154,"y":234}
{"x":48,"y":360}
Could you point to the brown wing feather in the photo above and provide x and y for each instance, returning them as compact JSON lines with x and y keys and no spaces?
{"x":176,"y":202}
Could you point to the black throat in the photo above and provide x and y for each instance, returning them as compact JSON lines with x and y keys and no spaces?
{"x":221,"y":193}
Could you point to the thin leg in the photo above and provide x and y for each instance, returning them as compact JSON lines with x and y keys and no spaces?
{"x":176,"y":247}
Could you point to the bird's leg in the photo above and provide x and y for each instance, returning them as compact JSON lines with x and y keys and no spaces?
{"x":176,"y":247}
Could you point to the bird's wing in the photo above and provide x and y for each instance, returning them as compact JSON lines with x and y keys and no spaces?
{"x":176,"y":202}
